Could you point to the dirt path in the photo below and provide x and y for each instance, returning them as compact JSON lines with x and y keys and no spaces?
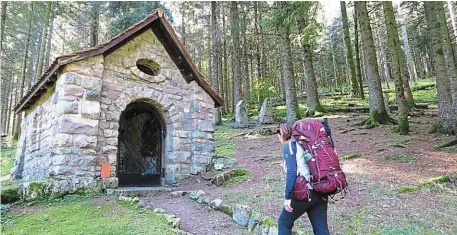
{"x":196,"y":218}
{"x":373,"y":205}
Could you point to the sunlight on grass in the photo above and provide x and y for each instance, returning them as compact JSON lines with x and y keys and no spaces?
{"x":85,"y":216}
{"x":225,"y":147}
{"x":7,"y":160}
{"x":350,"y":156}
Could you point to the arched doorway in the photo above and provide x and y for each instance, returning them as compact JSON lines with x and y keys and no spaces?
{"x":140,"y":146}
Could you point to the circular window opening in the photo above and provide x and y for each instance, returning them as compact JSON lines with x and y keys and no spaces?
{"x":148,"y":66}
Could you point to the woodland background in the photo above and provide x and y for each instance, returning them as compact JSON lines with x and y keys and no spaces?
{"x":254,"y":50}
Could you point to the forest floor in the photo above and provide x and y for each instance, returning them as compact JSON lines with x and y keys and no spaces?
{"x":386,"y":177}
{"x":389,"y":177}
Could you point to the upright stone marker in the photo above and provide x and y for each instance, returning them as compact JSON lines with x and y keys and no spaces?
{"x":266,"y":113}
{"x":241,"y":115}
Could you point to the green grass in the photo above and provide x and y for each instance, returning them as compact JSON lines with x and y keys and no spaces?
{"x":350,"y":156}
{"x":83,"y":215}
{"x":225,"y":147}
{"x":424,"y":184}
{"x":401,"y":143}
{"x":238,"y":176}
{"x":280,"y":112}
{"x":7,"y":160}
{"x":401,"y":158}
{"x":425,"y":96}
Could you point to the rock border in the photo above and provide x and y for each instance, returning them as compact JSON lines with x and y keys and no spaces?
{"x":172,"y":220}
{"x":242,"y":215}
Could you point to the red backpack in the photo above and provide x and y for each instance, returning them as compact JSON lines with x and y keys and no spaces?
{"x":314,"y":136}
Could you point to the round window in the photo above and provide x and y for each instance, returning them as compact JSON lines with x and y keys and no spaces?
{"x":148,"y":66}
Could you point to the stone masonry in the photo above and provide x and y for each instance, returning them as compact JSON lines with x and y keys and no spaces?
{"x":73,"y":128}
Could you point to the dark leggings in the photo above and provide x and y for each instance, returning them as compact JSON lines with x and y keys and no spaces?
{"x":317,"y":213}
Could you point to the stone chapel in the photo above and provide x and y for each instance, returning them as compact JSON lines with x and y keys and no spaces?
{"x":135,"y":103}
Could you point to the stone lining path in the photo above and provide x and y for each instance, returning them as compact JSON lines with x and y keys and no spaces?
{"x":196,"y":218}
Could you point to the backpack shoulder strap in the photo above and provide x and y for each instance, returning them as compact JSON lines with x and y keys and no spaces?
{"x":292,"y":147}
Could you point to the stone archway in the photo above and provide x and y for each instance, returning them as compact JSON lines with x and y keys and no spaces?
{"x":141,"y":143}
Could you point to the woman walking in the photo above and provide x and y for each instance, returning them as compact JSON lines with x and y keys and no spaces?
{"x":295,"y":160}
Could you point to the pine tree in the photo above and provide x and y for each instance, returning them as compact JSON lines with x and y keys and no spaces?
{"x":235,"y":34}
{"x":446,"y":116}
{"x":215,"y":54}
{"x":395,"y":54}
{"x":378,"y":113}
{"x":347,"y":40}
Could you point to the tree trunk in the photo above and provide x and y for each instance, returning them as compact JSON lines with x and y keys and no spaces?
{"x":258,"y":41}
{"x":10,"y":105}
{"x":312,"y":98}
{"x":378,"y":112}
{"x":235,"y":34}
{"x":23,"y":74}
{"x":3,"y":80}
{"x":453,"y":21}
{"x":94,"y":25}
{"x":357,"y":56}
{"x":49,"y":42}
{"x":409,"y":58}
{"x":446,"y":115}
{"x":383,"y":57}
{"x":395,"y":53}
{"x":43,"y":41}
{"x":2,"y":27}
{"x":183,"y":24}
{"x":335,"y":73}
{"x":227,"y":82}
{"x":287,"y":72}
{"x":214,"y":55}
{"x":448,"y":55}
{"x":245,"y":90}
{"x":347,"y":40}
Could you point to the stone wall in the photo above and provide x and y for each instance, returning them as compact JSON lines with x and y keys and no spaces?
{"x":186,"y":108}
{"x":60,"y":134}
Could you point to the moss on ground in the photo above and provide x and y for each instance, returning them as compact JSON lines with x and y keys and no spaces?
{"x":85,"y":215}
{"x":425,"y":184}
{"x":238,"y":176}
{"x":225,"y":147}
{"x":401,"y":158}
{"x":401,"y":143}
{"x":7,"y":160}
{"x":350,"y":156}
{"x":10,"y":194}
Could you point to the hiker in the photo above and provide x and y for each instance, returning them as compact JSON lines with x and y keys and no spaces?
{"x":316,"y":205}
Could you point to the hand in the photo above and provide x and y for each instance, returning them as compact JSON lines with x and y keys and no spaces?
{"x":287,"y":205}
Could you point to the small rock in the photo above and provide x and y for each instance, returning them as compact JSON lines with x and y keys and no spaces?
{"x":273,"y":230}
{"x":227,"y":210}
{"x":179,"y":193}
{"x":218,"y":179}
{"x":241,"y":215}
{"x":176,"y":223}
{"x":129,"y":199}
{"x":253,"y":220}
{"x":159,"y":210}
{"x":194,"y":195}
{"x":216,"y":204}
{"x":223,"y":163}
{"x":142,"y":204}
{"x":207,"y":176}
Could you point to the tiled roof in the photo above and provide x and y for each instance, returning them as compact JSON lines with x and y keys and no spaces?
{"x":49,"y":78}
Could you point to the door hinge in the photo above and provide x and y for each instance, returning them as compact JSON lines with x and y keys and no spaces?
{"x":163,"y":172}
